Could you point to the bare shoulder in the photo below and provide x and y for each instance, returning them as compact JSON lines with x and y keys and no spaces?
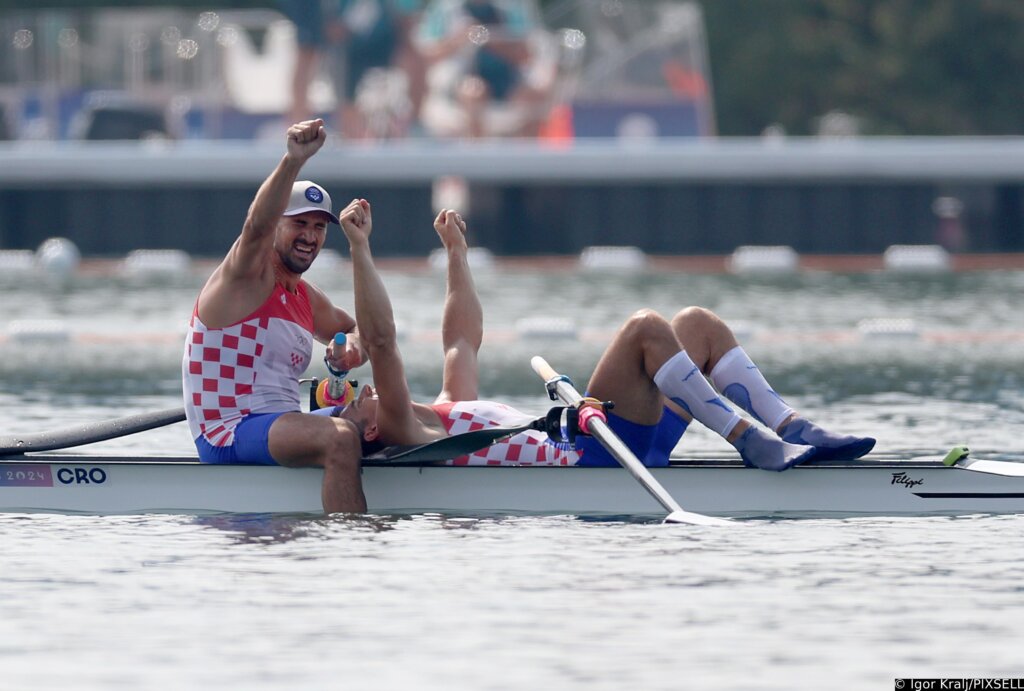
{"x":317,"y":297}
{"x":322,"y":309}
{"x":228,"y":297}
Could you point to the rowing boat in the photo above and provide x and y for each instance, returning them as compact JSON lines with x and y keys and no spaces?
{"x":879,"y":485}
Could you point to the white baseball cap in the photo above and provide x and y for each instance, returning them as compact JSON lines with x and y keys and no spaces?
{"x":309,"y":196}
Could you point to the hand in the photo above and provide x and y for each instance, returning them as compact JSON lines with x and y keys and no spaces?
{"x":347,"y":357}
{"x":357,"y":221}
{"x":305,"y":139}
{"x":452,"y":230}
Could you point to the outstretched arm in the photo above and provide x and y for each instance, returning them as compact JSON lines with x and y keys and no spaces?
{"x":378,"y":335}
{"x":462,"y":327}
{"x":245,"y":277}
{"x":249,"y":253}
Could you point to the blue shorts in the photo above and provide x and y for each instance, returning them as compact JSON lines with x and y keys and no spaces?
{"x":652,"y":444}
{"x":251,"y":445}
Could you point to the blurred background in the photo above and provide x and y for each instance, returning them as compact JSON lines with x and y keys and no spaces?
{"x":675,"y":127}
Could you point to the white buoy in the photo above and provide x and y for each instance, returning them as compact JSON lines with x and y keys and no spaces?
{"x":17,"y":263}
{"x":156,"y":262}
{"x":613,"y":257}
{"x":546,"y":328}
{"x":744,"y":331}
{"x":477,"y":257}
{"x":329,"y":262}
{"x":888,"y":327}
{"x":58,"y":258}
{"x":38,"y":331}
{"x":916,"y":258}
{"x":774,"y":259}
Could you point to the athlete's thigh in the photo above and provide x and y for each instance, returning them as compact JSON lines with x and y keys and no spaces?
{"x":299,"y":439}
{"x":620,"y":376}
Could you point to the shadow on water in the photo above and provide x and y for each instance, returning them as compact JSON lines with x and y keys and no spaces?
{"x":271,"y":528}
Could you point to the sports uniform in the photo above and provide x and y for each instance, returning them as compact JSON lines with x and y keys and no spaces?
{"x":240,"y":378}
{"x":651,"y":443}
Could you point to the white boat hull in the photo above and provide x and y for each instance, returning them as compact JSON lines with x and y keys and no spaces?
{"x":105,"y":485}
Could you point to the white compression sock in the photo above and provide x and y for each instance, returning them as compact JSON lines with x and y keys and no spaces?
{"x":681,"y":380}
{"x":738,"y":378}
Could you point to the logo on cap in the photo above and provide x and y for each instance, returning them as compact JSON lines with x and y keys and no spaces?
{"x":314,"y":195}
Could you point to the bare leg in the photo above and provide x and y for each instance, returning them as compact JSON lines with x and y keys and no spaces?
{"x":703,"y":335}
{"x":462,"y":326}
{"x":305,"y":68}
{"x":644,"y":363}
{"x":298,"y":440}
{"x":711,"y":343}
{"x":625,"y":372}
{"x":353,"y":124}
{"x":473,"y":95}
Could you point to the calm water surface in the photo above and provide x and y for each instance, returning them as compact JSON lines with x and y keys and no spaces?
{"x":494,"y":602}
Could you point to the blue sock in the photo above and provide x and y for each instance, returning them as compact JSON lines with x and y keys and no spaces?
{"x":829,"y":446}
{"x":768,"y":452}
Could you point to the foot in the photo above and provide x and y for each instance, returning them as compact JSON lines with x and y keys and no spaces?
{"x":828,"y":446}
{"x":765,"y":451}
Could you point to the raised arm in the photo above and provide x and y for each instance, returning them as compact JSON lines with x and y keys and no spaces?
{"x":246,"y":276}
{"x":248,"y":256}
{"x":462,"y":326}
{"x":376,"y":322}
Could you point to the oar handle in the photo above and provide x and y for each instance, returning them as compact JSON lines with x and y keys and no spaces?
{"x":542,"y":368}
{"x":559,"y":386}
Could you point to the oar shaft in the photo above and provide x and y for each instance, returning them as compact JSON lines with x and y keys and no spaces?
{"x":600,"y":430}
{"x":90,"y":433}
{"x":622,"y":453}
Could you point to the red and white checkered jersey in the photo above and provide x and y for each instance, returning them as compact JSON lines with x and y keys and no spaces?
{"x":252,"y":366}
{"x":526,"y":448}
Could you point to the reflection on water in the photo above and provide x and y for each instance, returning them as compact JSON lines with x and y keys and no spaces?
{"x":431,"y":602}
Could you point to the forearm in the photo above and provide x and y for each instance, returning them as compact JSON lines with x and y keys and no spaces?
{"x":272,"y":197}
{"x":375,"y":318}
{"x":463,"y":315}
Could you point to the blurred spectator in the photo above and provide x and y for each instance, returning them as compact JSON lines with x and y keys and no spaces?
{"x":408,"y":58}
{"x":368,"y":35}
{"x":480,"y":54}
{"x":308,"y":17}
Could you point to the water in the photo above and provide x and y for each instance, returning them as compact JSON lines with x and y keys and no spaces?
{"x":494,"y":602}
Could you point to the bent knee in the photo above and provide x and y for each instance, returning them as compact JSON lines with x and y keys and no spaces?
{"x":344,"y":448}
{"x":693,"y":316}
{"x":645,"y":323}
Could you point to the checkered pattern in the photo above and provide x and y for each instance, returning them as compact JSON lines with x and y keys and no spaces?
{"x":526,"y":448}
{"x":249,"y":367}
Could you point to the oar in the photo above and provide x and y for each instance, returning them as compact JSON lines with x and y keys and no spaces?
{"x":449,"y":447}
{"x":89,"y":433}
{"x":617,"y":448}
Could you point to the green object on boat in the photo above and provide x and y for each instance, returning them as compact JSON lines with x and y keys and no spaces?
{"x":957,"y":453}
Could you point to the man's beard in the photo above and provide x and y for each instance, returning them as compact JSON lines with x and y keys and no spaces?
{"x":294,"y":265}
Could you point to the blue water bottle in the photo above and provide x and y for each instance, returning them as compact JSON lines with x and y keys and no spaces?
{"x":335,"y":389}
